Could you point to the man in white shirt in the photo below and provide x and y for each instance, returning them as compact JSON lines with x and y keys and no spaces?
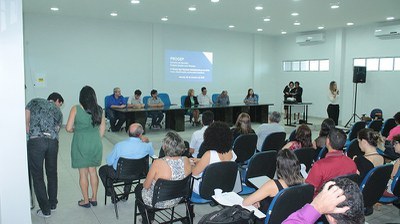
{"x":266,"y":129}
{"x":198,"y":136}
{"x":203,"y":98}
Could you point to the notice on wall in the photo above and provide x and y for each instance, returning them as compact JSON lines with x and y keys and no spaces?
{"x":40,"y":80}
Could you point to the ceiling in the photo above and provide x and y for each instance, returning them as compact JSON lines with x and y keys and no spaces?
{"x":240,"y":13}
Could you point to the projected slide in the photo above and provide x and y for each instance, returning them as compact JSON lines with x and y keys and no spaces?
{"x":190,"y":66}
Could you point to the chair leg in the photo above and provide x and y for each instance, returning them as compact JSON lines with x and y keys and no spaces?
{"x":135,"y":212}
{"x":189,"y":211}
{"x":172,"y":214}
{"x":115,"y":203}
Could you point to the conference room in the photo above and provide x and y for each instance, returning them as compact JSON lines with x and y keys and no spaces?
{"x":172,"y":46}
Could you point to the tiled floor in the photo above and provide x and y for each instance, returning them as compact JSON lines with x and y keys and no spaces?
{"x":69,"y":192}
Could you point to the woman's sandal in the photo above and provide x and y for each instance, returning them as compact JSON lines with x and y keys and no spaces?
{"x":93,"y":203}
{"x":84,"y":205}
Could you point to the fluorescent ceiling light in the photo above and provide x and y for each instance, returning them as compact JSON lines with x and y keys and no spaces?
{"x":192,"y":8}
{"x":297,"y":23}
{"x":114,"y":14}
{"x":215,"y":1}
{"x":231,"y":26}
{"x":259,"y":30}
{"x":294,"y":14}
{"x":283,"y":32}
{"x":267,"y":19}
{"x":321,"y":27}
{"x":164,"y":19}
{"x":349,"y":24}
{"x":135,"y":1}
{"x":390,"y":18}
{"x":259,"y":8}
{"x":54,"y":9}
{"x":334,"y":5}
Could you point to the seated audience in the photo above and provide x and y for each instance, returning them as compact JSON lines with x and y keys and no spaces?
{"x":368,"y":141}
{"x":136,"y":146}
{"x":334,"y":164}
{"x":197,"y":136}
{"x":340,"y":200}
{"x":135,"y":101}
{"x":223,"y":99}
{"x":302,"y":140}
{"x":218,"y":142}
{"x":396,"y":163}
{"x":156,"y":115}
{"x":251,"y":98}
{"x":115,"y":101}
{"x":288,"y":173}
{"x":203,"y":98}
{"x":242,"y":126}
{"x":326,"y":126}
{"x":395,"y":130}
{"x":266,"y":129}
{"x":191,"y":101}
{"x":171,"y":167}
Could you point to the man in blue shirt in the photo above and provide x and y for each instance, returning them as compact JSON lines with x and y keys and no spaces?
{"x":136,"y":146}
{"x":115,"y":101}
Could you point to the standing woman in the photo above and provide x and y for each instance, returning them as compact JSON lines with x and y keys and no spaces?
{"x":87,"y":122}
{"x":333,"y":107}
{"x":251,"y":98}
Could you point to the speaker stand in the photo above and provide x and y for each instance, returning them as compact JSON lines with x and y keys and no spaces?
{"x":353,"y":117}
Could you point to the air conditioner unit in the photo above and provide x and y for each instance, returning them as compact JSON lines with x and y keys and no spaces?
{"x":385,"y":32}
{"x":310,"y":38}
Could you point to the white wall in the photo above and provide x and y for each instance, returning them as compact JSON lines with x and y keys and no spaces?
{"x":73,"y":52}
{"x":14,"y":187}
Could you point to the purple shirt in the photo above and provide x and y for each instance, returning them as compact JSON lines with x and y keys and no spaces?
{"x":305,"y":215}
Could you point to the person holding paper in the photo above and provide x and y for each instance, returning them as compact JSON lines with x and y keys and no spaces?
{"x":288,"y":172}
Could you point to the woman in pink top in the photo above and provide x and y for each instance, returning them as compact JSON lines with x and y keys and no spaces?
{"x":396,"y":130}
{"x":302,"y":140}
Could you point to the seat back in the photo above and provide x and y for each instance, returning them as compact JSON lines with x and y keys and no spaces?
{"x":353,"y":149}
{"x":387,"y":126}
{"x":214,"y":97}
{"x":322,"y":153}
{"x":376,"y":114}
{"x":220,"y":175}
{"x":292,"y":136}
{"x":258,"y":98}
{"x":376,"y":125}
{"x":131,"y":169}
{"x":105,"y":105}
{"x":183,"y":98}
{"x":355,"y":129}
{"x":274,"y":141}
{"x":165,"y":99}
{"x":145,"y":99}
{"x":288,"y":201}
{"x":262,"y":164}
{"x":170,"y":189}
{"x":375,"y":183}
{"x":395,"y":187}
{"x":244,"y":147}
{"x":305,"y":156}
{"x":202,"y":150}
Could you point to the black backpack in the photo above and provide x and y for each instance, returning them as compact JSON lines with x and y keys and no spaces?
{"x":232,"y":215}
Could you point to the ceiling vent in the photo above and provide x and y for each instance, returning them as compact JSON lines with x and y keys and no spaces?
{"x":388,"y":32}
{"x":310,"y":38}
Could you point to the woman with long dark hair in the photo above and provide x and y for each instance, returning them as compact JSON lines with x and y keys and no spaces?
{"x":87,"y":122}
{"x":251,"y":97}
{"x":302,"y":139}
{"x":288,"y":173}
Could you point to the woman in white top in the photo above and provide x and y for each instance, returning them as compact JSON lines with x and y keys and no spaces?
{"x":333,"y":107}
{"x":218,"y":141}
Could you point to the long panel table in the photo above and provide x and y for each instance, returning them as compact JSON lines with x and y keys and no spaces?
{"x":175,"y":115}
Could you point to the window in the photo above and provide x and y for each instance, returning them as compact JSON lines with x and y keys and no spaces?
{"x":314,"y":65}
{"x":386,"y":64}
{"x":306,"y":65}
{"x":379,"y":64}
{"x":372,"y":64}
{"x":324,"y":65}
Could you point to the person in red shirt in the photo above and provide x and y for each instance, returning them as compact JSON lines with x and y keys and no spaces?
{"x":334,"y":164}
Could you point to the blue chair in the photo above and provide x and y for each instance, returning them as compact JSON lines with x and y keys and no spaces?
{"x":395,"y":188}
{"x":258,"y":98}
{"x":353,"y":149}
{"x":375,"y":125}
{"x":354,"y":131}
{"x":261,"y":164}
{"x":220,"y":175}
{"x":165,"y":98}
{"x":214,"y":97}
{"x":322,"y":153}
{"x":373,"y":186}
{"x":145,"y":99}
{"x":288,"y":201}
